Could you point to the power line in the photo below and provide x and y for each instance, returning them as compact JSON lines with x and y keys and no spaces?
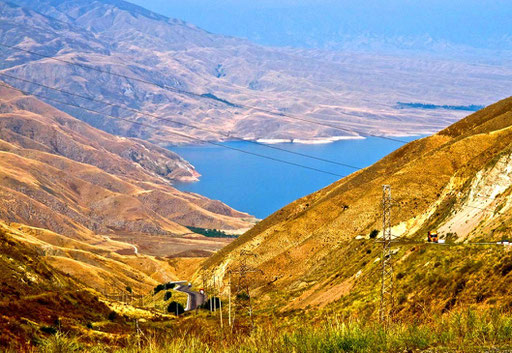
{"x":206,"y":96}
{"x":179,"y":134}
{"x":123,"y":106}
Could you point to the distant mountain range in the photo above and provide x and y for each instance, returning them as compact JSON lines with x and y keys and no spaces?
{"x":229,"y":78}
{"x":434,"y":27}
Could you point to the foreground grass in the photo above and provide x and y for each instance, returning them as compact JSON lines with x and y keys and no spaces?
{"x":456,"y":332}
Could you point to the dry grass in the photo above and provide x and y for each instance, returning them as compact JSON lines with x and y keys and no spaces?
{"x":464,"y":331}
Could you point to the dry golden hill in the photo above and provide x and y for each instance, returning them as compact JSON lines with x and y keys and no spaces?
{"x":58,"y":173}
{"x":84,"y":215}
{"x":316,"y":252}
{"x":36,"y":298}
{"x":50,"y":283}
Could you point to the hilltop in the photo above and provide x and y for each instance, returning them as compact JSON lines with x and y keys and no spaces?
{"x":316,"y":253}
{"x":353,"y":91}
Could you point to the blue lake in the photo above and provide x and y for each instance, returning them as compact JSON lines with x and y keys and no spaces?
{"x":260,"y":186}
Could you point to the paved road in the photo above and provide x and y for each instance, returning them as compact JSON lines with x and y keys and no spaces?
{"x":195,"y":299}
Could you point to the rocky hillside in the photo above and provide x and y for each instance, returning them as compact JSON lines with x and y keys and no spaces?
{"x":355,"y":92}
{"x":60,"y":174}
{"x":317,"y":253}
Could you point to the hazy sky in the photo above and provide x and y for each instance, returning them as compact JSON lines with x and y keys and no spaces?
{"x":320,"y":23}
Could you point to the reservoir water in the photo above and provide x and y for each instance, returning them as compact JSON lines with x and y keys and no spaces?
{"x":260,"y":186}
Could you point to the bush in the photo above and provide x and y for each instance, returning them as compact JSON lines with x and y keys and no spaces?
{"x":60,"y":343}
{"x":49,"y":329}
{"x":167,"y":296}
{"x":213,"y":303}
{"x":175,"y":308}
{"x":158,"y":288}
{"x":374,"y":233}
{"x":170,"y":285}
{"x":129,"y":289}
{"x":242,"y":296}
{"x":112,"y":315}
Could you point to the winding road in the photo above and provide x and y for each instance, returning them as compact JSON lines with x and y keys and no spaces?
{"x":195,"y":299}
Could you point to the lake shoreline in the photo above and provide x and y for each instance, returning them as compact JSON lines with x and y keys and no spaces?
{"x":261,"y":186}
{"x":290,"y":141}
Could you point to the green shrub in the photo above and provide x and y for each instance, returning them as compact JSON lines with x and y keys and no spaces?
{"x":212,"y":303}
{"x":112,"y":315}
{"x":242,"y":296}
{"x":49,"y":329}
{"x":175,"y":308}
{"x":167,"y":296}
{"x":60,"y":343}
{"x":158,"y":288}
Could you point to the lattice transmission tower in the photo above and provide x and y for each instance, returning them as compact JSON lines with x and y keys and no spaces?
{"x":386,"y":294}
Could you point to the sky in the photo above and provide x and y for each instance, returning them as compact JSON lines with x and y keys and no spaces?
{"x":329,"y":23}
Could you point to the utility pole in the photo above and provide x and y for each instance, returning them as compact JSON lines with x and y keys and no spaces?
{"x":220,"y":308}
{"x":386,"y":293}
{"x":214,"y":295}
{"x":229,"y":298}
{"x":138,"y":333}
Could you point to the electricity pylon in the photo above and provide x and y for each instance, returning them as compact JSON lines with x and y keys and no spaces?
{"x":242,"y":300}
{"x":386,"y":293}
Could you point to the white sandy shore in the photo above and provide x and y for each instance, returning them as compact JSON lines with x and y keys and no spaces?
{"x":312,"y":141}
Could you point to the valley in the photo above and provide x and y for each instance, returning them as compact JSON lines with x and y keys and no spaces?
{"x":167,"y":189}
{"x":456,"y":181}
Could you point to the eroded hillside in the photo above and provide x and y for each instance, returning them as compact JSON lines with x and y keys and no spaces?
{"x":60,"y":174}
{"x":354,"y":92}
{"x":316,"y":252}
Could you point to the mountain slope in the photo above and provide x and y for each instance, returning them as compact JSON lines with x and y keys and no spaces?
{"x":60,"y":174}
{"x":355,"y":92}
{"x":316,"y":251}
{"x":35,"y":295}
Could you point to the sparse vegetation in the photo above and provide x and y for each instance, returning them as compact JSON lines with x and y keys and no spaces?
{"x":175,"y":308}
{"x":112,"y":316}
{"x":212,"y":233}
{"x":167,"y":296}
{"x":471,"y":107}
{"x":159,"y":288}
{"x":462,"y":331}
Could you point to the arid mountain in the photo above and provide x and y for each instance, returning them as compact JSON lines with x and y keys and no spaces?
{"x":355,"y":92}
{"x":51,"y":283}
{"x":35,"y":295}
{"x":60,"y":174}
{"x":87,"y":218}
{"x":317,"y":252}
